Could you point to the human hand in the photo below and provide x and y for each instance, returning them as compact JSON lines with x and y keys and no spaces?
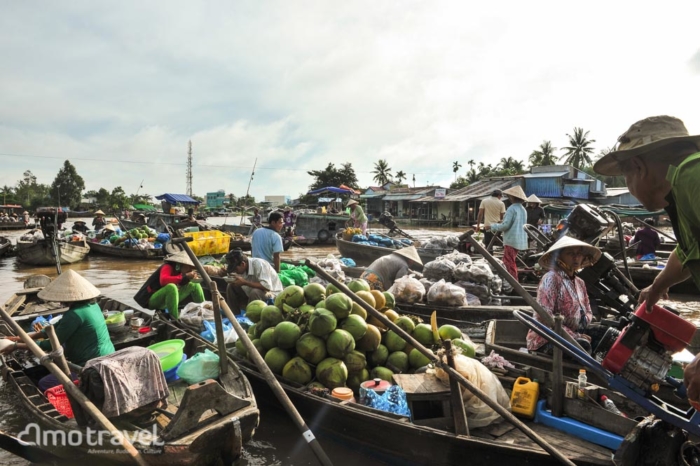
{"x":691,"y":379}
{"x":9,"y":349}
{"x":13,"y":338}
{"x":478,"y":228}
{"x":487,"y":227}
{"x":651,"y":295}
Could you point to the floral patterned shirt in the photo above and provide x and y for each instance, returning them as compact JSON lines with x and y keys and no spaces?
{"x":560,"y":294}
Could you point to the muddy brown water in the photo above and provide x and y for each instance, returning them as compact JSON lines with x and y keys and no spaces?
{"x":277,"y":441}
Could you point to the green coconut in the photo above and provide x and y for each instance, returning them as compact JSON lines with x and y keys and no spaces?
{"x":322,"y":322}
{"x":276,"y":359}
{"x":258,"y":346}
{"x":287,"y":334}
{"x":251,"y":330}
{"x":355,"y":361}
{"x":466,"y":347}
{"x":306,"y":308}
{"x":270,"y":316}
{"x":331,"y":289}
{"x":339,"y":343}
{"x":313,"y":293}
{"x":297,"y":370}
{"x":259,"y":329}
{"x":332,"y":373}
{"x":240,"y":348}
{"x":371,"y":340}
{"x":383,"y":373}
{"x":390,"y":300}
{"x":359,"y":285}
{"x":416,"y":359}
{"x":293,"y":296}
{"x":424,"y":334}
{"x":321,"y":304}
{"x":397,"y":362}
{"x":315,"y":386}
{"x":379,"y":356}
{"x":449,"y":332}
{"x":355,"y":379}
{"x":254,"y":309}
{"x":311,"y":348}
{"x":268,"y":339}
{"x":405,"y":323}
{"x":358,"y":310}
{"x":356,"y":325}
{"x":339,"y":304}
{"x":393,"y":341}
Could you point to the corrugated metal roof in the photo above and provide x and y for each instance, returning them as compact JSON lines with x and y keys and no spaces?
{"x":373,"y":195}
{"x":545,"y":175}
{"x":402,"y":197}
{"x":479,"y":189}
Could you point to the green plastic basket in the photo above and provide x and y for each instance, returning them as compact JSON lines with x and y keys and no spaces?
{"x":169,"y":352}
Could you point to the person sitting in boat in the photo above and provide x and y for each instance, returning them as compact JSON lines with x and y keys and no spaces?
{"x":358,"y":215}
{"x":256,"y":279}
{"x":647,"y":240}
{"x":107,"y":231}
{"x":99,"y":221}
{"x":561,"y":292}
{"x":171,"y":284}
{"x":266,"y":243}
{"x":382,"y":273}
{"x":80,"y":227}
{"x":190,"y":215}
{"x":82,"y":330}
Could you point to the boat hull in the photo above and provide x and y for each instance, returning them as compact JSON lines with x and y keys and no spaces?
{"x":127,"y":253}
{"x":364,"y":255}
{"x":40,"y":253}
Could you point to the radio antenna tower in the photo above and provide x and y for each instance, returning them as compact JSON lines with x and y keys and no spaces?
{"x":189,"y":169}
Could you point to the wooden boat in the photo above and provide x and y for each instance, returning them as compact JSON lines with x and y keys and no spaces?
{"x":364,"y":255}
{"x":317,"y":228}
{"x":643,"y":277}
{"x":5,"y":245}
{"x":127,"y":253}
{"x":220,"y":416}
{"x":41,"y":253}
{"x":15,"y":226}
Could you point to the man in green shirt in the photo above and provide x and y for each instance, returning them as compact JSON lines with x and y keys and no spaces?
{"x":661,"y":164}
{"x":82,"y":330}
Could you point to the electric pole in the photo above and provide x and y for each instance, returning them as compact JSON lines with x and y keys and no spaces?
{"x":189,"y":169}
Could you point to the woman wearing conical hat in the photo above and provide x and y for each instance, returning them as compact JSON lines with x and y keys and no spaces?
{"x":82,"y":330}
{"x":535,"y":212}
{"x":514,"y":235}
{"x":99,"y":221}
{"x":561,"y":292}
{"x":382,"y":273}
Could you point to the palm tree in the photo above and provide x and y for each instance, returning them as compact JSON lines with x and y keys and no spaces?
{"x":382,"y":172}
{"x":471,"y":163}
{"x":544,"y":155}
{"x":579,"y":149}
{"x":455,"y":168}
{"x":5,"y":191}
{"x":400,"y":176}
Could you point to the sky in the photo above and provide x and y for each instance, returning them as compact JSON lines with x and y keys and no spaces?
{"x":119,"y":88}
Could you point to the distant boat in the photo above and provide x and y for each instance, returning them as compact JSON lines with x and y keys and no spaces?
{"x":41,"y":253}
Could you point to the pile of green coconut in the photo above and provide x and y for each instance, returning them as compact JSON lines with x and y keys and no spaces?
{"x":319,"y":337}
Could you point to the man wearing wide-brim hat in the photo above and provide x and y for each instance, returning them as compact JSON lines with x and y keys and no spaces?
{"x":660,"y":161}
{"x":82,"y":330}
{"x":535,"y":212}
{"x":383,"y":272}
{"x":514,"y":235}
{"x":99,"y":221}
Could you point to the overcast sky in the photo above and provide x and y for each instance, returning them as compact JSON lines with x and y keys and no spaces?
{"x":118,"y":88}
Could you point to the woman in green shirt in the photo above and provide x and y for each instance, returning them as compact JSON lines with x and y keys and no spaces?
{"x":82,"y":330}
{"x":358,"y":215}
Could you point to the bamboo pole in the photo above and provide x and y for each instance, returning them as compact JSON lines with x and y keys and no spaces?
{"x":557,"y":373}
{"x":458,"y":414}
{"x":56,"y":345}
{"x":219,"y":326}
{"x":74,"y":392}
{"x":476,"y":391}
{"x":261,"y":365}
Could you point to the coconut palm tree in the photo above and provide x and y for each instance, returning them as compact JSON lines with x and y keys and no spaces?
{"x":455,"y":168}
{"x":544,"y":155}
{"x":382,"y":172}
{"x":400,"y":176}
{"x":471,"y":163}
{"x":578,"y":152}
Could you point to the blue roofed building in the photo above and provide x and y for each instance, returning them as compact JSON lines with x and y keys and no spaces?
{"x":563,"y":181}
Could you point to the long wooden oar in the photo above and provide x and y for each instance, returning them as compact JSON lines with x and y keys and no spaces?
{"x":476,"y":391}
{"x":260,"y":362}
{"x":70,"y":387}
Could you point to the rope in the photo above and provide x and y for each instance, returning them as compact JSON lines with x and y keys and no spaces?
{"x":53,"y":355}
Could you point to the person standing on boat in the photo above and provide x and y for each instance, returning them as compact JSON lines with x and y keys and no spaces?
{"x":535,"y":213}
{"x":257,"y":218}
{"x":383,"y":272}
{"x":266,"y":243}
{"x":171,"y":284}
{"x":82,"y":330}
{"x":561,"y":292}
{"x":25,"y":217}
{"x":357,"y":214}
{"x":660,"y":161}
{"x":99,"y":221}
{"x":491,"y":210}
{"x":289,"y":220}
{"x":256,"y":279}
{"x":647,"y":240}
{"x":514,"y":235}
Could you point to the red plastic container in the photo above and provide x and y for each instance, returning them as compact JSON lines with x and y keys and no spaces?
{"x":59,"y":399}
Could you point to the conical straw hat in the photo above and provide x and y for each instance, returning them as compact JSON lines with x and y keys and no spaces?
{"x":409,"y":253}
{"x":534,"y":198}
{"x":69,"y":287}
{"x":99,"y":212}
{"x":549,"y":258}
{"x":516,"y":191}
{"x":109,"y":227}
{"x":179,"y":258}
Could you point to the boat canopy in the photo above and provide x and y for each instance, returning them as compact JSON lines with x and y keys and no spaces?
{"x":177,"y":198}
{"x":331,"y":189}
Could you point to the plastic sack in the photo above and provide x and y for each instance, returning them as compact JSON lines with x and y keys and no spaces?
{"x":393,"y":400}
{"x":436,"y":242}
{"x":462,"y":271}
{"x":348,"y":262}
{"x":439,"y":269}
{"x":230,"y":335}
{"x":479,"y":414}
{"x":163,"y":237}
{"x":446,"y":294}
{"x":201,"y":367}
{"x":408,"y":290}
{"x":482,"y":292}
{"x":480,"y":272}
{"x":359,"y":238}
{"x":458,"y":258}
{"x":426,"y":284}
{"x":194,"y":314}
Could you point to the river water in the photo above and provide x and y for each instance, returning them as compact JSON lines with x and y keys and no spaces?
{"x":277,"y":441}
